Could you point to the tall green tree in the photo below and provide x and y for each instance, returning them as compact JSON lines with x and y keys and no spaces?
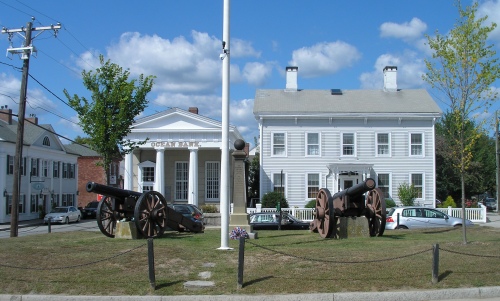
{"x":254,"y":177}
{"x":463,"y":67}
{"x":115,"y":102}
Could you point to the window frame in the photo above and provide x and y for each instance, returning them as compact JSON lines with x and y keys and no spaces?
{"x":278,"y":187}
{"x":308,"y":186}
{"x":144,"y":185}
{"x":273,"y":144}
{"x":34,"y":167}
{"x":208,"y":177}
{"x":56,"y":169}
{"x":307,"y":144}
{"x":342,"y":144}
{"x":181,"y":193}
{"x":378,"y":144}
{"x":421,"y":187}
{"x":422,"y":144}
{"x":388,"y":186}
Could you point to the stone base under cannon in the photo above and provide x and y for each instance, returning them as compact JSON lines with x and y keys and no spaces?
{"x":127,"y":230}
{"x":352,"y":226}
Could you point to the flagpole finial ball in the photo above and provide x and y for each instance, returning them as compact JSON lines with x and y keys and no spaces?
{"x":239,"y":144}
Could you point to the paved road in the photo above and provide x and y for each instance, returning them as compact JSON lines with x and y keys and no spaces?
{"x":37,"y":227}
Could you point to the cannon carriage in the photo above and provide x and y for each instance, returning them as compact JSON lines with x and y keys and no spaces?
{"x":149,"y":211}
{"x":350,"y":202}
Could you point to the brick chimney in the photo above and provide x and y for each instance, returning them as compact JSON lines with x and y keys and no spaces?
{"x":32,"y":119}
{"x":390,"y":78}
{"x":6,"y":114}
{"x":193,"y":110}
{"x":291,"y":79}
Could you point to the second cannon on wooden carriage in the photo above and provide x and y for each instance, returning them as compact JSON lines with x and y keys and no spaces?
{"x":148,"y":210}
{"x":361,"y":200}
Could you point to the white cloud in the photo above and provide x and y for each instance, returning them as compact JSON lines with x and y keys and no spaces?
{"x":257,"y":73}
{"x":407,"y":31}
{"x":491,"y":8}
{"x":241,"y":114}
{"x":178,"y":64}
{"x":242,"y":48}
{"x":410,"y":70}
{"x":324,"y":58}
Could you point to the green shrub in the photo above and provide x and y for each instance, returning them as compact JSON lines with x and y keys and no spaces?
{"x":407,"y":194}
{"x":270,"y":200}
{"x":389,"y":203}
{"x":209,"y":209}
{"x":449,"y":202}
{"x":311,"y":204}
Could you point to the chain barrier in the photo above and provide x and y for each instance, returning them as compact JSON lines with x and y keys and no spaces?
{"x":339,"y":262}
{"x":73,"y":266}
{"x":468,"y":254}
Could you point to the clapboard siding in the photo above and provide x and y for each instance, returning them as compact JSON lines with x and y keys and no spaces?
{"x":296,"y":165}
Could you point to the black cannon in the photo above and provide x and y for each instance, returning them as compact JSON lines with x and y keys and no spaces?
{"x":149,"y":210}
{"x":350,"y":202}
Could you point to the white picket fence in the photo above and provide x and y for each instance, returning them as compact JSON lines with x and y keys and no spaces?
{"x":476,"y":215}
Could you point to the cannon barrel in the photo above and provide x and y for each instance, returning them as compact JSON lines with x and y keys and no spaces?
{"x":111,"y":191}
{"x":357,"y":189}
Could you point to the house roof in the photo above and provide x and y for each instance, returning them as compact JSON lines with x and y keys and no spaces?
{"x":32,"y":132}
{"x":82,"y":150}
{"x":344,"y":103}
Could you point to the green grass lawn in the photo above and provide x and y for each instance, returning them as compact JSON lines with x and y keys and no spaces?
{"x":88,"y":263}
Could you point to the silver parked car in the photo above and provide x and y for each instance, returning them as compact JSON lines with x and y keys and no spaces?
{"x":63,"y":215}
{"x":420,"y":217}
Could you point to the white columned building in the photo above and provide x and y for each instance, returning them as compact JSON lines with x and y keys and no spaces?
{"x":181,"y":158}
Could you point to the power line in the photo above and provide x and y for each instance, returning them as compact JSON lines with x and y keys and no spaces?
{"x":49,"y":91}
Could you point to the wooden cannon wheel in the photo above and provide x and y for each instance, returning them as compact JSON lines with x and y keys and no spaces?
{"x":325,"y":218}
{"x":376,"y":213}
{"x":151,"y":214}
{"x":106,"y":217}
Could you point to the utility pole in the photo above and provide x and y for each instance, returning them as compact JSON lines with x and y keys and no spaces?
{"x":25,"y":53}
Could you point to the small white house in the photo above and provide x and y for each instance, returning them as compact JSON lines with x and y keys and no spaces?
{"x":333,"y":138}
{"x":48,"y":171}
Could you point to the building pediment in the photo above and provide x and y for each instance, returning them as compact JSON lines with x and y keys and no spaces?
{"x":176,"y":120}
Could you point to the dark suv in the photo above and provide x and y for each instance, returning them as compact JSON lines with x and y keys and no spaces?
{"x":90,"y":211}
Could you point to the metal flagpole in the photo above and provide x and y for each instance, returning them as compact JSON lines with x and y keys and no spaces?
{"x":224,"y":193}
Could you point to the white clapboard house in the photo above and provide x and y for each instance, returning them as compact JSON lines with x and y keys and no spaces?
{"x":334,"y":138}
{"x":48,"y":171}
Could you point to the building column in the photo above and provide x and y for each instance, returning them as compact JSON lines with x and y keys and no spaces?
{"x":160,"y":171}
{"x":193,"y":176}
{"x":128,"y":173}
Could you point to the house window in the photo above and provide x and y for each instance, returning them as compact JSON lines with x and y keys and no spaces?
{"x":68,"y":199}
{"x":55,"y":169}
{"x":46,"y":141}
{"x":416,"y":144}
{"x":181,"y":180}
{"x":279,"y":144}
{"x":383,"y":144}
{"x":348,"y":145}
{"x":23,"y":166}
{"x":45,"y":168}
{"x":147,"y":175}
{"x":384,"y":184}
{"x":34,"y":167}
{"x":10,"y":165}
{"x":312,"y":185}
{"x":417,"y":180}
{"x":55,"y":200}
{"x":279,"y":182}
{"x":71,"y":171}
{"x":34,"y":203}
{"x":313,"y":144}
{"x":21,"y":206}
{"x":65,"y":170}
{"x":212,"y":174}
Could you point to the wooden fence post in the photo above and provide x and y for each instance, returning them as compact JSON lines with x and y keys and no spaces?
{"x":435,"y":263}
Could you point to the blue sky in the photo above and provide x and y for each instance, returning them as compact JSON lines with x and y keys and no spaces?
{"x":335,"y":44}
